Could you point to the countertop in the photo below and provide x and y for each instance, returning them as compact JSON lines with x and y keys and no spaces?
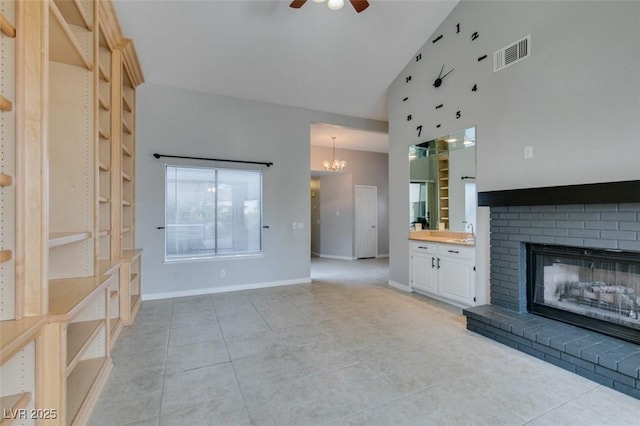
{"x":448,"y":237}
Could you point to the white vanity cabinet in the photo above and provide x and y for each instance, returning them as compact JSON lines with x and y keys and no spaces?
{"x":444,"y":271}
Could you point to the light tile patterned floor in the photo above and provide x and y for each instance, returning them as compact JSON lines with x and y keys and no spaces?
{"x":345,"y":350}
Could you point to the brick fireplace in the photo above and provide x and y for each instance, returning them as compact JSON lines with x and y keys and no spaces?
{"x":597,"y":216}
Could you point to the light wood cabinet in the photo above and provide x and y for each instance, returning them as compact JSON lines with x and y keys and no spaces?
{"x":63,"y":203}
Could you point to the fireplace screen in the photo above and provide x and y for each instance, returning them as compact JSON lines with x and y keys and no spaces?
{"x":596,"y":289}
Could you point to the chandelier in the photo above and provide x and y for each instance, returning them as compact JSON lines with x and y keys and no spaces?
{"x":334,"y":165}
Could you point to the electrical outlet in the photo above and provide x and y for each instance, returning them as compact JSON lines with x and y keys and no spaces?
{"x":223,"y":273}
{"x":300,"y":225}
{"x":295,"y":226}
{"x":528,"y":152}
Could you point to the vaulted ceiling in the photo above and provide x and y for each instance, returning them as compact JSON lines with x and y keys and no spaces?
{"x":313,"y":57}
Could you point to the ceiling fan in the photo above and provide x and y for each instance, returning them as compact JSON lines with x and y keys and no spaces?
{"x":358,"y":5}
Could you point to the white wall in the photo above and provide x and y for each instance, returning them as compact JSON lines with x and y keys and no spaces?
{"x":576,"y":100}
{"x":184,"y":122}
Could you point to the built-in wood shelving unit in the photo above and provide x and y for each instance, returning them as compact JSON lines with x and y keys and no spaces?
{"x":61,"y":312}
{"x":443,"y":190}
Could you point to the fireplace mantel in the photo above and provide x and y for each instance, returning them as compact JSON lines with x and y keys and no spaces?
{"x":592,"y":193}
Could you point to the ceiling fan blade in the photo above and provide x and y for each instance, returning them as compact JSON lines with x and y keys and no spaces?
{"x":297,"y":4}
{"x":360,"y":5}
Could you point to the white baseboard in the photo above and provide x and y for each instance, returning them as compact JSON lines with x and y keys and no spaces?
{"x":383,"y":255}
{"x":328,"y":256}
{"x":226,"y":289}
{"x":399,"y":286}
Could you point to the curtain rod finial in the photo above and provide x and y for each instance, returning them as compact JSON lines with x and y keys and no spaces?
{"x":156,"y":155}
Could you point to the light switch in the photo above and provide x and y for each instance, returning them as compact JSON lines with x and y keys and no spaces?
{"x":528,"y":152}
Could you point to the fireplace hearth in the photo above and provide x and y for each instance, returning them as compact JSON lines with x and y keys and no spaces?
{"x":595,"y":289}
{"x":576,"y":284}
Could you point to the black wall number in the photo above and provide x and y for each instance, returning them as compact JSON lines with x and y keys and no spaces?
{"x":437,"y":38}
{"x":419,"y":57}
{"x":405,"y":99}
{"x":482,"y":58}
{"x":458,"y":114}
{"x":439,"y":106}
{"x":457,"y":28}
{"x":474,"y":88}
{"x":408,"y":79}
{"x":475,"y":36}
{"x":438,"y":126}
{"x":419,"y":129}
{"x":409,"y":117}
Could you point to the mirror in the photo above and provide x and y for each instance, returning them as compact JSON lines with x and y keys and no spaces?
{"x":442,"y":187}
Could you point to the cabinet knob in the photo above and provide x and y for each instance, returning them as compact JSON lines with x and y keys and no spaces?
{"x":433,"y":260}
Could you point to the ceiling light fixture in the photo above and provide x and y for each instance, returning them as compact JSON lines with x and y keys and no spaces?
{"x":335,"y":4}
{"x":334,"y":165}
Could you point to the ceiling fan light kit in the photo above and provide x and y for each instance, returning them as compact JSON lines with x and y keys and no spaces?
{"x":358,"y":5}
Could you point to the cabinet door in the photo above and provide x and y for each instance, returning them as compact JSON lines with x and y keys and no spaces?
{"x":422,"y":271}
{"x":456,"y":279}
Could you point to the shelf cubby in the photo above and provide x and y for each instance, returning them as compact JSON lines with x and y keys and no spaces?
{"x":68,"y":296}
{"x":126,"y":128}
{"x":126,"y":104}
{"x":13,"y":404}
{"x":6,"y":27}
{"x":80,"y":335}
{"x":16,"y":334}
{"x":74,"y":13}
{"x":103,"y":74}
{"x":126,"y":151}
{"x":63,"y":44}
{"x":87,"y":378}
{"x":103,"y":104}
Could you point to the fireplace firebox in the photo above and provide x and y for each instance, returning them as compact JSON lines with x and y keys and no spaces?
{"x":591,"y":288}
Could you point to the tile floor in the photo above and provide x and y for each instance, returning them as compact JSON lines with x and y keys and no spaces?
{"x":344,"y":350}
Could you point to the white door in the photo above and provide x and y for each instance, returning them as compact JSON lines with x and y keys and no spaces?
{"x":366,"y":221}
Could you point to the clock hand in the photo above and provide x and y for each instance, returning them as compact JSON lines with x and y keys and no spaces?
{"x":441,"y":69}
{"x":442,"y":78}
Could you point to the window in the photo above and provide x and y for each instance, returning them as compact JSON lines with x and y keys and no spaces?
{"x":212,"y":212}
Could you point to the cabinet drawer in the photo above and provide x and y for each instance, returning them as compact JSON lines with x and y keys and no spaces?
{"x":456,"y":251}
{"x":424,"y":247}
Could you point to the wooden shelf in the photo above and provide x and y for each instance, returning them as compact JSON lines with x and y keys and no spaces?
{"x":126,"y":203}
{"x":103,"y":134}
{"x":5,"y":180}
{"x":5,"y":104}
{"x":68,"y":296}
{"x":16,"y":334}
{"x":63,"y":45}
{"x":80,"y":335}
{"x":6,"y":27}
{"x":57,"y":239}
{"x":126,"y":104}
{"x":103,"y":200}
{"x":108,"y":266}
{"x":103,"y":104}
{"x":5,"y":255}
{"x":126,"y":177}
{"x":131,"y":255}
{"x":103,"y":74}
{"x":115,"y":325}
{"x":87,"y":378}
{"x":126,"y":229}
{"x":104,"y":233}
{"x":74,"y":13}
{"x":103,"y":167}
{"x":12,"y":404}
{"x":126,"y":128}
{"x":126,"y":151}
{"x":113,"y":294}
{"x":133,"y":278}
{"x":135,"y":301}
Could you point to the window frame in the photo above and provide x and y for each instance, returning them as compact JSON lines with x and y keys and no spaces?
{"x":214,"y":257}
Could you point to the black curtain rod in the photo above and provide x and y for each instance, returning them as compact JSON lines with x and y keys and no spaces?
{"x":268,"y":164}
{"x":467,"y":177}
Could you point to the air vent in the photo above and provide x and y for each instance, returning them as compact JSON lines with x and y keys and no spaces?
{"x":512,"y":53}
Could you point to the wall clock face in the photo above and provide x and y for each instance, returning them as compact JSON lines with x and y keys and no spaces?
{"x":442,"y":79}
